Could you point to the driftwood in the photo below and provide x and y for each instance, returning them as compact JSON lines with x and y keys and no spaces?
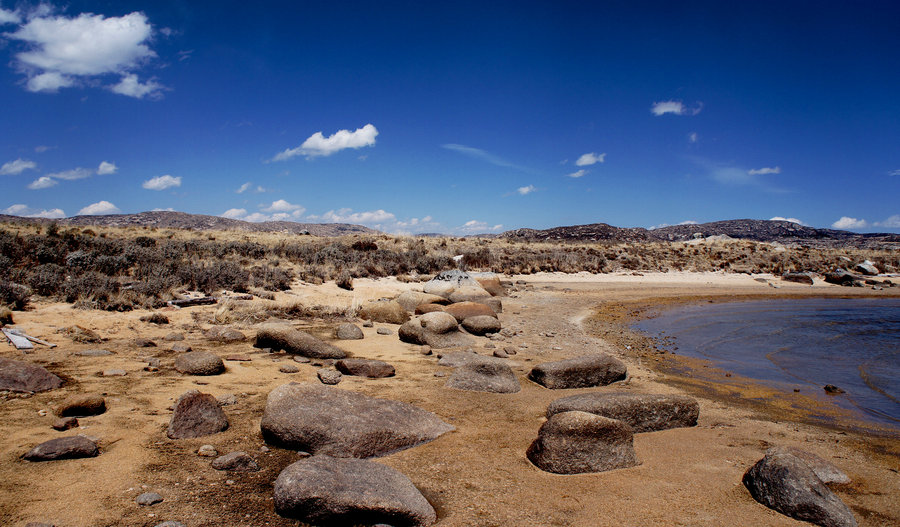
{"x":20,"y":342}
{"x":206,"y":300}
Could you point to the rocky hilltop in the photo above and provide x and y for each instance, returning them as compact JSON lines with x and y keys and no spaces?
{"x":202,"y":222}
{"x":758,"y":230}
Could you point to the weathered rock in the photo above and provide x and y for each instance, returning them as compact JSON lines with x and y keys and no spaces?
{"x":785,"y":483}
{"x":199,"y":363}
{"x":148,"y":498}
{"x":93,"y":353}
{"x":227,"y":399}
{"x":579,"y":372}
{"x":224,"y":334}
{"x":196,"y":415}
{"x":800,"y":278}
{"x":180,"y":347}
{"x":348,"y":331}
{"x":464,"y":310}
{"x":325,"y":420}
{"x":329,"y":376}
{"x":448,"y":281}
{"x":144,"y":343}
{"x":63,"y":448}
{"x":481,"y":325}
{"x":866,"y":268}
{"x":288,"y":368}
{"x":19,"y":376}
{"x":155,"y":318}
{"x":207,"y":451}
{"x":64,"y":423}
{"x":500,"y":354}
{"x":384,"y":331}
{"x":235,"y":462}
{"x":174,"y":337}
{"x":384,"y":311}
{"x":82,"y":334}
{"x":824,"y":470}
{"x":490,"y":282}
{"x":578,"y":442}
{"x":413,"y":333}
{"x":428,"y":308}
{"x":323,"y":490}
{"x":642,"y":412}
{"x":284,"y":337}
{"x":840,"y":277}
{"x":457,"y":358}
{"x":469,"y":294}
{"x":81,"y":405}
{"x":410,"y":300}
{"x":484,"y":374}
{"x":114,"y":372}
{"x":374,"y":369}
{"x":438,"y":322}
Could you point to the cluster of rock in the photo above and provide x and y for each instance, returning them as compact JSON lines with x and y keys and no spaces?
{"x":843,"y":277}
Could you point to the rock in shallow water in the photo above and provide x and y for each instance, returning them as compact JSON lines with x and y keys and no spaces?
{"x":327,"y":491}
{"x":325,"y":420}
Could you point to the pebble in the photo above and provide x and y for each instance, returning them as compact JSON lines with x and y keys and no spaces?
{"x":65,"y":423}
{"x":148,"y":498}
{"x":169,"y":524}
{"x":114,"y":373}
{"x":301,"y":359}
{"x":227,"y":399}
{"x":207,"y":451}
{"x":425,"y":350}
{"x":329,"y":376}
{"x":368,"y":324}
{"x":288,"y":368}
{"x":384,"y":331}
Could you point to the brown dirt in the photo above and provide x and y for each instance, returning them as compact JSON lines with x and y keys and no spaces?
{"x":477,"y":475}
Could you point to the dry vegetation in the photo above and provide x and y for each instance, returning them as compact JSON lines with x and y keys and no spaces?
{"x":126,"y":268}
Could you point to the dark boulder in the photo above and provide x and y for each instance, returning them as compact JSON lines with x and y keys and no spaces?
{"x":235,"y":462}
{"x":579,"y":372}
{"x":642,"y":412}
{"x":81,"y":405}
{"x":824,"y":470}
{"x":324,"y":420}
{"x":19,"y":376}
{"x":348,"y":331}
{"x":841,"y":277}
{"x":800,"y":278}
{"x":284,"y":337}
{"x":196,"y":414}
{"x":199,"y":363}
{"x":579,"y":442}
{"x":484,"y":374}
{"x":63,"y":448}
{"x":374,"y":369}
{"x":323,"y":490}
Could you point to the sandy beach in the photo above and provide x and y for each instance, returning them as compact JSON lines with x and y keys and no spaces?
{"x":475,"y":475}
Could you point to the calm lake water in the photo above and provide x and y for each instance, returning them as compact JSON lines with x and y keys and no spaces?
{"x":851,"y":343}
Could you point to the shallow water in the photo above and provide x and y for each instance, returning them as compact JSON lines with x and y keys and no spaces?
{"x":851,"y":343}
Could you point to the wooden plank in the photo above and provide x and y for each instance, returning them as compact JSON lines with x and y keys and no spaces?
{"x":32,"y":339}
{"x":20,"y":342}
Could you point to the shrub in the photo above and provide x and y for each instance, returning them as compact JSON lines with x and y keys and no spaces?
{"x":14,"y":295}
{"x":344,"y":280}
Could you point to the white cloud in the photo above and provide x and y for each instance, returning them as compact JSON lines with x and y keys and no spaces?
{"x":893,"y":222}
{"x":590,"y":158}
{"x":476,"y":227}
{"x":847,"y":222}
{"x":107,"y":168}
{"x":675,"y":108}
{"x":99,"y":208}
{"x":72,"y":175}
{"x":578,"y":173}
{"x":42,"y":182}
{"x":9,"y":17}
{"x":26,"y":211}
{"x":132,"y":87}
{"x":693,"y":137}
{"x":40,"y":149}
{"x":792,"y":220}
{"x":661,"y":225}
{"x":167,"y":209}
{"x":162,"y":182}
{"x":525,"y":190}
{"x":319,"y":145}
{"x":244,"y":188}
{"x":894,"y":172}
{"x":16,"y":167}
{"x":234,"y":214}
{"x":371,"y":217}
{"x":61,"y":50}
{"x":283,"y":206}
{"x":763,"y":171}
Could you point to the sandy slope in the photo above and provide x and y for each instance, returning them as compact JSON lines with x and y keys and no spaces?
{"x":477,"y":475}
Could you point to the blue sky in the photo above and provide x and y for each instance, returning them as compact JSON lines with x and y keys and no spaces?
{"x":455,"y":117}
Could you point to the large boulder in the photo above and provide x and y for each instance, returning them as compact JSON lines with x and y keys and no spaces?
{"x":579,"y":442}
{"x":866,"y":268}
{"x":785,"y":483}
{"x":412,"y":332}
{"x":323,"y":490}
{"x":199,"y":363}
{"x":579,"y":372}
{"x":490,"y":282}
{"x":81,"y":405}
{"x":448,"y":281}
{"x":410,"y":300}
{"x":457,"y":358}
{"x":348,"y":331}
{"x":469,"y":294}
{"x":642,"y":412}
{"x":196,"y":415}
{"x":371,"y":368}
{"x":824,"y":470}
{"x":284,"y":337}
{"x":800,"y":278}
{"x":438,"y":322}
{"x":464,"y":310}
{"x":384,"y":311}
{"x":428,"y":308}
{"x":19,"y":376}
{"x":63,"y":448}
{"x":840,"y":277}
{"x":324,"y":420}
{"x":481,"y":325}
{"x":484,"y":374}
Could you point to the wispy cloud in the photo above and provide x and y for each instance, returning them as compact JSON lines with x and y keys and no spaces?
{"x":42,"y":183}
{"x":661,"y":225}
{"x":675,"y":108}
{"x":590,"y":158}
{"x":14,"y":168}
{"x":578,"y":173}
{"x":248,"y":186}
{"x":9,"y":17}
{"x":477,"y":227}
{"x":894,"y":172}
{"x":526,"y":190}
{"x":847,"y":222}
{"x":162,"y":182}
{"x":477,"y":153}
{"x":729,"y":174}
{"x":130,"y":85}
{"x":99,"y":208}
{"x":792,"y":220}
{"x":20,"y":209}
{"x":106,"y":168}
{"x":892,"y":222}
{"x":693,"y":137}
{"x":763,"y":171}
{"x":72,"y":175}
{"x":318,"y":145}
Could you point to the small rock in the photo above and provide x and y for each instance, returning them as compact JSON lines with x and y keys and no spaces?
{"x":195,"y":415}
{"x":481,"y":325}
{"x":81,"y":406}
{"x":328,"y":375}
{"x":368,"y":324}
{"x":348,"y":331}
{"x":235,"y":462}
{"x":63,"y":448}
{"x":155,"y":318}
{"x":438,"y":322}
{"x":484,"y":374}
{"x":384,"y":311}
{"x":425,"y":350}
{"x":144,"y":343}
{"x":224,"y":334}
{"x":800,"y":278}
{"x":93,"y":353}
{"x":500,"y":354}
{"x":174,"y":337}
{"x":180,"y":347}
{"x":65,"y":423}
{"x":384,"y":331}
{"x":199,"y":363}
{"x":510,"y":350}
{"x":207,"y":451}
{"x":833,"y":390}
{"x":373,"y":369}
{"x":114,"y":373}
{"x":866,"y":268}
{"x":148,"y":498}
{"x":301,"y":359}
{"x":288,"y":368}
{"x":579,"y":442}
{"x":227,"y":399}
{"x":239,"y":358}
{"x":153,"y":362}
{"x":464,"y":310}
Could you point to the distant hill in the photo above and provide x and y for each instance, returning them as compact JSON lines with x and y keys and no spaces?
{"x":201,"y":222}
{"x":759,"y":230}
